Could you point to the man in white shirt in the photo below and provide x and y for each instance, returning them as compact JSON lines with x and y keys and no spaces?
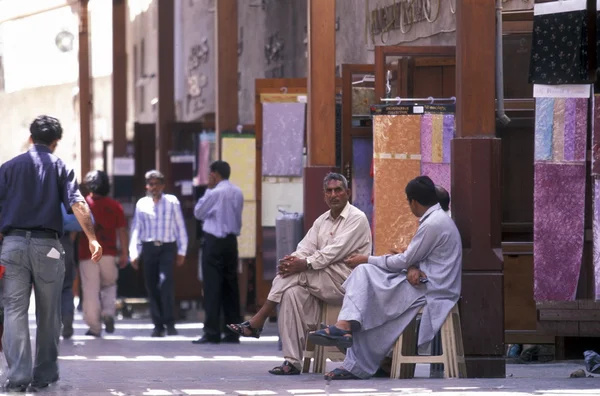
{"x":313,"y":273}
{"x":159,"y":237}
{"x":220,"y":209}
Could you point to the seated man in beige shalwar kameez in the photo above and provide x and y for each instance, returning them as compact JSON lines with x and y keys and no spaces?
{"x":314,"y":272}
{"x":384,"y":295}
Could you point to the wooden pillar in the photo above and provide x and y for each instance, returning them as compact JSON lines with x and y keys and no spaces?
{"x":226,"y":54}
{"x":85,"y":89}
{"x":119,"y":77}
{"x":476,"y":202}
{"x":321,"y":105}
{"x":166,"y":85}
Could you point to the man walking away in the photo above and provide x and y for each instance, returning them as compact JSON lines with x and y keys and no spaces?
{"x":221,"y":211}
{"x":32,"y":187}
{"x":99,"y":280}
{"x":158,"y":233}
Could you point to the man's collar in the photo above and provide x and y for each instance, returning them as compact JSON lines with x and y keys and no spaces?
{"x":42,"y":148}
{"x":344,"y":213}
{"x":430,"y":211}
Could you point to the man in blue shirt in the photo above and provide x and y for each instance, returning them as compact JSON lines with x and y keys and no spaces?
{"x":33,"y":186}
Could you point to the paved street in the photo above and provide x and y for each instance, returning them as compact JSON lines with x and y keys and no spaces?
{"x":129,"y":362}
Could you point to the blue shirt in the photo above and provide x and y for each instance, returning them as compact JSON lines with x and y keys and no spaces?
{"x":70,"y":222}
{"x":33,"y":186}
{"x":221,"y":209}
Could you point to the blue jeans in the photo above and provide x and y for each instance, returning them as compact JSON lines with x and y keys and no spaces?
{"x":36,"y":262}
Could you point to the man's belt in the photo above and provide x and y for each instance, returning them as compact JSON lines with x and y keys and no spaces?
{"x":42,"y":234}
{"x":158,"y":243}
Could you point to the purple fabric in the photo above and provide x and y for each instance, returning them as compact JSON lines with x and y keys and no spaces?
{"x":439,"y":173}
{"x":559,"y":201}
{"x":283,"y":139}
{"x":581,"y":128}
{"x":596,"y":138}
{"x":426,"y":137}
{"x":570,"y":129}
{"x":362,"y":182}
{"x":449,"y":129}
{"x":596,"y":227}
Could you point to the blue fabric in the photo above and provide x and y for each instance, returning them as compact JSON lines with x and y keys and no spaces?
{"x":544,"y":118}
{"x":32,"y":187}
{"x":70,"y":223}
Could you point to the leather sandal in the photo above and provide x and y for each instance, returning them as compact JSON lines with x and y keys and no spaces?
{"x":239,"y":329}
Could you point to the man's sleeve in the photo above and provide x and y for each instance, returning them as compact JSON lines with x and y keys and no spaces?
{"x":418,"y":249}
{"x":70,"y":189}
{"x":180,"y":230}
{"x":135,"y":243}
{"x":205,"y":205}
{"x":355,"y":234}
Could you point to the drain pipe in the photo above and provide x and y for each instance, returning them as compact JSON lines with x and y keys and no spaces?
{"x":504,"y":119}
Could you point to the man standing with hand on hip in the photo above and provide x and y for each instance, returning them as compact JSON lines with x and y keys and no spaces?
{"x":33,"y":186}
{"x":221,"y":211}
{"x":158,"y":234}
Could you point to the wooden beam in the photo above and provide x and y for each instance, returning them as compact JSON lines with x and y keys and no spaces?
{"x":119,"y":77}
{"x":321,"y":83}
{"x":166,"y":84}
{"x":476,"y":205}
{"x":226,"y":54}
{"x":85,"y":89}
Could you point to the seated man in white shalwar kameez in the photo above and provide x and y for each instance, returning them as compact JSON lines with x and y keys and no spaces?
{"x":384,"y":295}
{"x":314,"y":272}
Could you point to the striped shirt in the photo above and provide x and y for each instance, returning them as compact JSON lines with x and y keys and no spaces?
{"x":221,"y":209}
{"x":161,"y":222}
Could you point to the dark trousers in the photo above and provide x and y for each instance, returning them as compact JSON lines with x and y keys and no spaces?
{"x":67,"y":307}
{"x":158,"y":262}
{"x":221,"y":290}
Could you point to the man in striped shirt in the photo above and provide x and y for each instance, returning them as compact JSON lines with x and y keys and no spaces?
{"x":159,"y":237}
{"x":220,"y":209}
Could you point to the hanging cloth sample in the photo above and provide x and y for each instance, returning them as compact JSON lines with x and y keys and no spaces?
{"x":239,"y":150}
{"x":559,"y":51}
{"x":206,"y":156}
{"x":596,"y":194}
{"x":397,"y":160}
{"x":283,"y":139}
{"x":362,"y":182}
{"x":559,"y":196}
{"x":437,"y":132}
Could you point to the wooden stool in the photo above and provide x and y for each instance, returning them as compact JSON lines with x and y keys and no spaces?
{"x":453,"y":355}
{"x":320,"y":354}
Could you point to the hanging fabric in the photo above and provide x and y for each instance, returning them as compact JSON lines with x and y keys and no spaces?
{"x":397,"y":160}
{"x":559,"y":196}
{"x":596,"y":193}
{"x":437,"y":131}
{"x":206,"y":151}
{"x":362,"y":182}
{"x":559,"y":51}
{"x":283,"y":139}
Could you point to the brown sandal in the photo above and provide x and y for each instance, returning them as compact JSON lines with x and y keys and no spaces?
{"x":239,"y":329}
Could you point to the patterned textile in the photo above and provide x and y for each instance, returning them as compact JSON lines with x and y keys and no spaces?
{"x":247,"y":238}
{"x":559,"y":196}
{"x":240,"y":152}
{"x":437,"y":131}
{"x":596,"y":227}
{"x":559,"y":53}
{"x":596,"y":138}
{"x":362,"y":99}
{"x":397,"y":160}
{"x":206,"y":156}
{"x":283,"y":139}
{"x":362,"y":182}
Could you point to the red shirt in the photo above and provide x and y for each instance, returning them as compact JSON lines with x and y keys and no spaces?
{"x":108,"y":217}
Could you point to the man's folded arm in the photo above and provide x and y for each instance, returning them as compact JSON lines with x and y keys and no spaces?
{"x":417,"y":251}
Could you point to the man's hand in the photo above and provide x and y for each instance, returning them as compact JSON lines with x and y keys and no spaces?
{"x":95,"y":250}
{"x":354,"y":260}
{"x":290,"y":265}
{"x":123,"y":260}
{"x":135,"y":264}
{"x":413,"y":275}
{"x":180,"y":260}
{"x":394,"y":251}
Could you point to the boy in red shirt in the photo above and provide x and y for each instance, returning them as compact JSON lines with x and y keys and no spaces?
{"x":99,"y":280}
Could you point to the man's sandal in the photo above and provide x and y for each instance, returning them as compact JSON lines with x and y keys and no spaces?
{"x":340,"y":374}
{"x":239,"y":329}
{"x":334,"y":337}
{"x":286,"y":368}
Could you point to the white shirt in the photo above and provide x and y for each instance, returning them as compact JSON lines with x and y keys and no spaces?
{"x":221,"y":209}
{"x":161,"y":222}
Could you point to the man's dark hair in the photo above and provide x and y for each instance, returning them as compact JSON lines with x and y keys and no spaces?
{"x":222,"y":168}
{"x":154,"y":174}
{"x":45,"y":130}
{"x":422,"y":190}
{"x":443,"y":198}
{"x":97,"y":182}
{"x":337,"y":177}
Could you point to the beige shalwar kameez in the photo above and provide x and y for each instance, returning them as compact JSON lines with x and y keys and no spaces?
{"x":326,"y":245}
